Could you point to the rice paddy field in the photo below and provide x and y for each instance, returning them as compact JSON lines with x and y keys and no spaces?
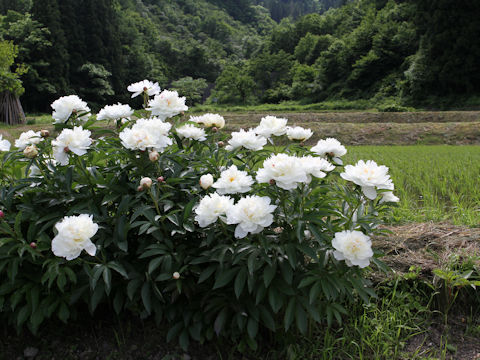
{"x":434,"y":182}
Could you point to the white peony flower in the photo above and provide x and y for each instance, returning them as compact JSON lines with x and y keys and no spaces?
{"x":389,"y":197}
{"x":115,"y":112}
{"x":271,"y":125}
{"x":190,"y":131}
{"x":316,"y":166}
{"x":252,"y":214}
{"x":209,"y":120}
{"x":167,"y":104}
{"x":66,"y":105}
{"x":212,"y":207}
{"x":77,"y":141}
{"x":233,"y":181}
{"x":354,"y":247}
{"x":247,"y":139}
{"x":144,"y":86}
{"x":287,"y":171}
{"x":329,"y":147}
{"x":74,"y":234}
{"x":35,"y":171}
{"x":147,"y":133}
{"x":26,"y":138}
{"x":206,"y":181}
{"x":369,"y":176}
{"x":299,"y":133}
{"x":4,"y":144}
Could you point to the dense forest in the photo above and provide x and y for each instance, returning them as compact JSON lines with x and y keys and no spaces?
{"x":413,"y":52}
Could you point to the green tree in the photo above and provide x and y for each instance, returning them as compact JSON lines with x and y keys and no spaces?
{"x":31,"y":38}
{"x":11,"y":88}
{"x":192,"y":89}
{"x":234,"y":86}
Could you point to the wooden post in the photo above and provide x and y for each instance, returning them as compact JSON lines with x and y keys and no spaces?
{"x":11,"y":111}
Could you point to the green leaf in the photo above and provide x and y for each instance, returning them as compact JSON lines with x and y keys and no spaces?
{"x":205,"y":274}
{"x":220,"y":321}
{"x":154,"y":264}
{"x":63,"y":312}
{"x":267,"y":318}
{"x":269,"y":273}
{"x":146,"y":297}
{"x":224,"y":277}
{"x":118,"y":268}
{"x":252,"y":327}
{"x":107,"y":279}
{"x":22,"y":315}
{"x":301,"y":318}
{"x":240,"y":282}
{"x":188,"y":209}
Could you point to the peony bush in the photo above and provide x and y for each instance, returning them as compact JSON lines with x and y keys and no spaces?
{"x":211,"y":234}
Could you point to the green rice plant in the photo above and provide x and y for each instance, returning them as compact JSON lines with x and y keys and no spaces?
{"x":434,"y":183}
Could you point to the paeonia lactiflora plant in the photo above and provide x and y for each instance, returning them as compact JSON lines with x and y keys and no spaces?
{"x":212,"y":234}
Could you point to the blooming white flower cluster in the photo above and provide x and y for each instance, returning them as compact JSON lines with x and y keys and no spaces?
{"x":76,"y":140}
{"x":251,"y":214}
{"x":370,"y":177}
{"x":144,"y":86}
{"x":147,"y":133}
{"x":167,"y":104}
{"x":4,"y":144}
{"x":115,"y":112}
{"x":209,"y":120}
{"x":298,"y":133}
{"x":233,"y":181}
{"x":74,"y":234}
{"x":65,"y":106}
{"x":190,"y":131}
{"x":27,"y":138}
{"x":289,"y":171}
{"x":354,"y":247}
{"x":329,"y":147}
{"x":271,"y":125}
{"x":247,"y":139}
{"x":211,"y":207}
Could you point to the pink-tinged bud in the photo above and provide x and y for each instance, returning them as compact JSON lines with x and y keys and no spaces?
{"x":161,"y":179}
{"x":206,"y":181}
{"x":140,"y":188}
{"x":30,"y":151}
{"x":176,"y":275}
{"x":214,"y":129}
{"x":272,"y":182}
{"x":2,"y":214}
{"x":221,"y":144}
{"x":145,"y":89}
{"x":278,"y":230}
{"x":44,"y":133}
{"x":302,"y":144}
{"x":146,"y":183}
{"x":66,"y":149}
{"x":33,"y":245}
{"x":153,"y":156}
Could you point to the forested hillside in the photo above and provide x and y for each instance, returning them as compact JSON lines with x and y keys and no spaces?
{"x":409,"y":52}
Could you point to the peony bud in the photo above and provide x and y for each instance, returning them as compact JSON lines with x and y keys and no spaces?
{"x":33,"y":245}
{"x":272,"y":182}
{"x":30,"y":151}
{"x":153,"y":155}
{"x":146,"y":183}
{"x":176,"y":275}
{"x":44,"y":133}
{"x":214,"y":129}
{"x":221,"y":144}
{"x":66,"y":149}
{"x":161,"y":179}
{"x":206,"y":181}
{"x":2,"y":214}
{"x":139,"y":188}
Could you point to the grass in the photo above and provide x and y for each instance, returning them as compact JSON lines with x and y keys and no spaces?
{"x":435,"y":183}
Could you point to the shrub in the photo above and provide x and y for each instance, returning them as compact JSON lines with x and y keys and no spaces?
{"x":214,"y":236}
